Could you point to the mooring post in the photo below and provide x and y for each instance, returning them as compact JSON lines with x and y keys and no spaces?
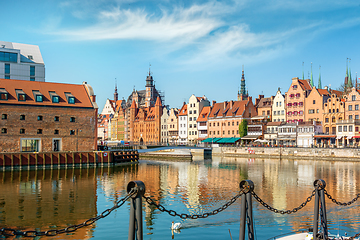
{"x":319,"y":199}
{"x":135,"y":221}
{"x":247,"y":186}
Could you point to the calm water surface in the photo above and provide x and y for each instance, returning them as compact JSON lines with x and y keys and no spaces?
{"x":48,"y":199}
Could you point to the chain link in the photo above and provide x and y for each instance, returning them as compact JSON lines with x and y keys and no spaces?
{"x":342,"y":203}
{"x":257,"y":198}
{"x":8,"y":232}
{"x":193,"y":216}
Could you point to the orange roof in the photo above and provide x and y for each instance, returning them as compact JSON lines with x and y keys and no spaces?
{"x":225,"y":109}
{"x":338,"y":93}
{"x":15,"y":88}
{"x":323,"y":92}
{"x":304,"y":84}
{"x":204,"y":114}
{"x":183,"y":110}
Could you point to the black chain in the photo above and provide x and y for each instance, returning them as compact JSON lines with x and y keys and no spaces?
{"x":193,"y":216}
{"x":72,"y":228}
{"x":257,"y":198}
{"x":342,"y":203}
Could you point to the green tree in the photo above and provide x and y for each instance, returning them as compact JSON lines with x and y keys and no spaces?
{"x":243,"y":128}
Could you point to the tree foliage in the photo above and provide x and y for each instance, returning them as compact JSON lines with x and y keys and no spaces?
{"x":243,"y":128}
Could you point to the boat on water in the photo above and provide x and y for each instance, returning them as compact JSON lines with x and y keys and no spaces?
{"x":307,"y":236}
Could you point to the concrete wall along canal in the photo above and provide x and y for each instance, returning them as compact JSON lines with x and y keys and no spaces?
{"x":62,"y":159}
{"x":332,"y":154}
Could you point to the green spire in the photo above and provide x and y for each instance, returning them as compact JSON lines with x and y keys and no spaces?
{"x":311,"y":79}
{"x":319,"y":84}
{"x":350,"y":85}
{"x":303,"y":71}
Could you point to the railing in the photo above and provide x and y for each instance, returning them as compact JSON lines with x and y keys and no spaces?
{"x":136,"y":191}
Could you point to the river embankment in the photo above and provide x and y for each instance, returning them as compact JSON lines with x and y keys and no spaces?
{"x":331,"y":154}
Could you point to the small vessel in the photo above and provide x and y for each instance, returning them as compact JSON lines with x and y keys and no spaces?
{"x":307,"y":236}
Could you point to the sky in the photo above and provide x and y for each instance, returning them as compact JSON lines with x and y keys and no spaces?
{"x":191,"y":47}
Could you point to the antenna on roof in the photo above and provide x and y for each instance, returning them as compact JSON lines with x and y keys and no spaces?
{"x":149,"y":68}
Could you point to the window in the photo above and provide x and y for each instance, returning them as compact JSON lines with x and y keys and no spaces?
{"x":339,"y":128}
{"x":39,"y":98}
{"x":356,"y":129}
{"x":277,"y":104}
{"x":4,"y":116}
{"x":56,"y":118}
{"x":228,"y":123}
{"x":194,"y":111}
{"x":311,"y":111}
{"x":56,"y":131}
{"x":22,"y":131}
{"x":55,"y":99}
{"x":327,"y":129}
{"x":39,"y":131}
{"x":350,"y":117}
{"x":357,"y":117}
{"x":30,"y":145}
{"x":190,"y":118}
{"x":7,"y":68}
{"x":32,"y":79}
{"x":357,"y":107}
{"x":3,"y":130}
{"x":350,"y":107}
{"x":350,"y":128}
{"x":326,"y":120}
{"x":40,"y":118}
{"x":333,"y":119}
{"x":3,"y":94}
{"x":345,"y":128}
{"x":190,"y":112}
{"x":274,"y":112}
{"x":32,"y":71}
{"x":194,"y":118}
{"x":72,"y":119}
{"x":282,"y":112}
{"x":72,"y":132}
{"x":294,"y":86}
{"x":190,"y":125}
{"x":313,"y":101}
{"x":22,"y":117}
{"x":70,"y":98}
{"x":263,"y":113}
{"x":353,"y":97}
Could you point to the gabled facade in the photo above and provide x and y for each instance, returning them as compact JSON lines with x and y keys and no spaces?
{"x":334,"y":111}
{"x":194,"y":107}
{"x":145,"y":124}
{"x":164,"y":126}
{"x":173,"y":126}
{"x":278,"y":107}
{"x":264,"y":107}
{"x":202,"y":123}
{"x":183,"y":125}
{"x":295,"y":100}
{"x":352,"y":103}
{"x":314,"y":104}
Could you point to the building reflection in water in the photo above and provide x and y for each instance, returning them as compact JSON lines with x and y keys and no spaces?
{"x":47,"y":198}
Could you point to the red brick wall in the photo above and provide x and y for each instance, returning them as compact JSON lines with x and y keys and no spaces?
{"x":84,"y":138}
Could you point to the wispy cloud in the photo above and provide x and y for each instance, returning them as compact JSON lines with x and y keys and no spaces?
{"x":207,"y":32}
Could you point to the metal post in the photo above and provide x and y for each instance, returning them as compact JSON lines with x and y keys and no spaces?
{"x":319,"y":185}
{"x":135,"y":221}
{"x":323,"y":216}
{"x":247,"y":186}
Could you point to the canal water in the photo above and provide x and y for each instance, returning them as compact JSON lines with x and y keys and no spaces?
{"x":52,"y":199}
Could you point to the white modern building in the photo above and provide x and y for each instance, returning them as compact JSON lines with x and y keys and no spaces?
{"x":164,"y":126}
{"x":183,"y":125}
{"x":306,"y":132}
{"x":21,"y":62}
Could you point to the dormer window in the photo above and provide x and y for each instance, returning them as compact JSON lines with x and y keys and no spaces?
{"x":21,"y":96}
{"x":3,"y":94}
{"x":54,"y":97}
{"x":38,"y":96}
{"x":70,"y":98}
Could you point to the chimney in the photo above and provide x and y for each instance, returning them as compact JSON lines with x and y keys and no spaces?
{"x":213,"y":102}
{"x":257,"y":100}
{"x":231,"y":104}
{"x":225,"y":104}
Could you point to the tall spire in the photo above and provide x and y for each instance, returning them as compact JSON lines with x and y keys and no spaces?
{"x":350,"y":79}
{"x":242,"y":95}
{"x":319,"y":84}
{"x":303,"y":71}
{"x":311,"y":79}
{"x":115,"y":93}
{"x":347,"y":73}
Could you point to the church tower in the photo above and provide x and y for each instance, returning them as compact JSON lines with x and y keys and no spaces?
{"x":149,"y":92}
{"x":242,"y":94}
{"x":115,"y":93}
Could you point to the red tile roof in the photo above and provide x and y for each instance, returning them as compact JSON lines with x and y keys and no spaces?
{"x":304,"y":84}
{"x":229,"y":109}
{"x":82,"y":99}
{"x":323,"y":92}
{"x":204,"y":114}
{"x":183,"y":110}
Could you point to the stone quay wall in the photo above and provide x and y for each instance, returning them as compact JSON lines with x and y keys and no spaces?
{"x":331,"y":154}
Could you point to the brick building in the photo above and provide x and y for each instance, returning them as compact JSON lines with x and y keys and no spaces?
{"x":45,"y":117}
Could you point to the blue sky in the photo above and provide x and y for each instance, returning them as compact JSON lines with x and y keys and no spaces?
{"x":194,"y":47}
